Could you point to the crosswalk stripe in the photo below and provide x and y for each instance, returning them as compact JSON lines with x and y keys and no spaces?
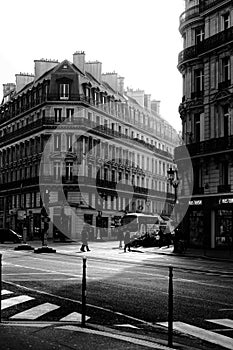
{"x":201,"y":333}
{"x":35,"y":312}
{"x":74,"y":316}
{"x":5,"y":292}
{"x":15,"y":301}
{"x":222,"y":322}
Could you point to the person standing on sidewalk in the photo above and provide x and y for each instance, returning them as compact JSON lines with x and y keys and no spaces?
{"x":127,"y":241}
{"x":84,"y":239}
{"x":120,"y":236}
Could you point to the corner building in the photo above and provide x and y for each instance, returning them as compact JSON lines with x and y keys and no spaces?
{"x":107,"y":150}
{"x":206,"y":111}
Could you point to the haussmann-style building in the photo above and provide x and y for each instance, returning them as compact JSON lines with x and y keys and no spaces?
{"x":76,"y":138}
{"x":206,"y":111}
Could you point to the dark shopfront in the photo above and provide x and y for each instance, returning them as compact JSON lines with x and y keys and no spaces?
{"x":209,"y":223}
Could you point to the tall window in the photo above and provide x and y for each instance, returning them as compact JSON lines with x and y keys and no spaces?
{"x":57,"y":170}
{"x":199,"y":81}
{"x":69,"y":170}
{"x":69,"y":142}
{"x":199,"y":35}
{"x":57,"y":142}
{"x":223,"y":173}
{"x":226,"y":117}
{"x":58,"y":112}
{"x":64,"y":91}
{"x":70,"y":114}
{"x":225,"y":69}
{"x":226,"y":21}
{"x":197,"y":127}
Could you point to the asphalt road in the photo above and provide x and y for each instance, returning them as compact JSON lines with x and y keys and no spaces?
{"x":122,"y":294}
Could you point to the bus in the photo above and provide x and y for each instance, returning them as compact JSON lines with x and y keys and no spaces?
{"x":138,"y":224}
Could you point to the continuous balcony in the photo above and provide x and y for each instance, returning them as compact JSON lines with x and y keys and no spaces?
{"x":187,"y":15}
{"x":208,"y":147}
{"x":209,"y":44}
{"x":208,"y":4}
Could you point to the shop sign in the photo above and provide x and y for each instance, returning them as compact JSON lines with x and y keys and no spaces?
{"x":195,"y":202}
{"x":21,"y":214}
{"x":225,"y":200}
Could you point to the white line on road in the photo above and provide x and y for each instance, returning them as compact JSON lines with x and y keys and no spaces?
{"x":132,"y":340}
{"x":15,"y":301}
{"x":74,"y":316}
{"x":226,"y":322}
{"x":201,"y":333}
{"x":35,"y":312}
{"x":5,"y":292}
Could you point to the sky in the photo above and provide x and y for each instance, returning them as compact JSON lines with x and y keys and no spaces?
{"x":138,"y":39}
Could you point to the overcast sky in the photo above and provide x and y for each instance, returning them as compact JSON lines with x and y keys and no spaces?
{"x":138,"y":39}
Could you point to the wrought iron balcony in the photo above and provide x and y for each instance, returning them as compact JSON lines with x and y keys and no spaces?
{"x":207,"y":4}
{"x":211,"y":146}
{"x":224,"y":188}
{"x":208,"y":44}
{"x":189,"y":14}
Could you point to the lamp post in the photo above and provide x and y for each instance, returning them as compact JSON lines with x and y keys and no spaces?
{"x":174,"y":181}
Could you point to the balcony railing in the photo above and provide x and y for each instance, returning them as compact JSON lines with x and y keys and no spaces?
{"x":224,"y":188}
{"x":207,"y":4}
{"x":188,"y":14}
{"x":212,"y":146}
{"x":211,"y":43}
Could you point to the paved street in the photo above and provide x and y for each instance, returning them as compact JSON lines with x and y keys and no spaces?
{"x":125,"y":291}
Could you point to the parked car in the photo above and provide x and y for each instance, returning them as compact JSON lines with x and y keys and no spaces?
{"x":7,"y":234}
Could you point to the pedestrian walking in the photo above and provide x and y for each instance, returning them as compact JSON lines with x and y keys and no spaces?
{"x":85,"y":237}
{"x":120,"y":237}
{"x":127,"y":241}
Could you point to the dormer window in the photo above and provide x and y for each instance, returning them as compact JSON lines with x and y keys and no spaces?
{"x":64,"y":91}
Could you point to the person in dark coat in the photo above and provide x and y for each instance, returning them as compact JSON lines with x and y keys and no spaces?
{"x":84,"y":239}
{"x":120,"y":237}
{"x":127,"y":241}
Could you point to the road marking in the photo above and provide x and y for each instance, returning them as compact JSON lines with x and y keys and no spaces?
{"x":5,"y":292}
{"x":74,"y":316}
{"x":201,"y":333}
{"x":35,"y":312}
{"x":226,"y":322}
{"x":126,"y":325}
{"x":15,"y":301}
{"x":132,"y":340}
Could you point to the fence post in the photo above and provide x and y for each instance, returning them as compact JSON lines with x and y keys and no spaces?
{"x":84,"y":292}
{"x":0,"y":288}
{"x":170,"y":307}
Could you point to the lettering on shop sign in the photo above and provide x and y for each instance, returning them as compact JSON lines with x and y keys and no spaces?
{"x":225,"y":200}
{"x":195,"y":202}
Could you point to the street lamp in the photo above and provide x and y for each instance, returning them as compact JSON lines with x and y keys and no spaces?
{"x":173,"y":180}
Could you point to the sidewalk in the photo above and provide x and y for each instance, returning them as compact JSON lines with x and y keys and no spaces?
{"x":103,"y":248}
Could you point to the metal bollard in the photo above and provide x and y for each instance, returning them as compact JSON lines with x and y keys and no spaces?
{"x":84,"y":292}
{"x":0,"y":288}
{"x":170,"y":307}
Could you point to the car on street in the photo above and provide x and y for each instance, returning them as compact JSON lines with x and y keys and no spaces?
{"x":8,"y":235}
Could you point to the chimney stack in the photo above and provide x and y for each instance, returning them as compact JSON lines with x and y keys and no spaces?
{"x":43,"y":65}
{"x":155,"y":106}
{"x":8,"y":88}
{"x":22,"y":79}
{"x":111,"y":79}
{"x":120,"y":85}
{"x":95,"y":69}
{"x":79,"y":60}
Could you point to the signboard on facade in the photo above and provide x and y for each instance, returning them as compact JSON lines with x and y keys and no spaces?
{"x":225,"y":200}
{"x":195,"y":202}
